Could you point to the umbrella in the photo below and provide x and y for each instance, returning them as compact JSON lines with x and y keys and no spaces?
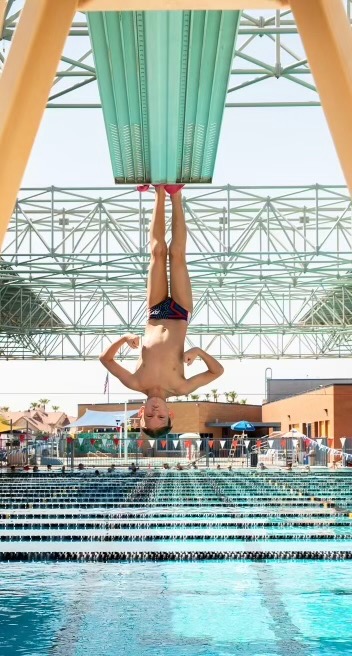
{"x":294,"y":433}
{"x":244,"y":426}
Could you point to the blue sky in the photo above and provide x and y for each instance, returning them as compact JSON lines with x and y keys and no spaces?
{"x":257,"y":147}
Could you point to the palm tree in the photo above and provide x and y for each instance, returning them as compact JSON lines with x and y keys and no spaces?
{"x":215,"y":394}
{"x":44,"y":402}
{"x":194,"y":397}
{"x":55,"y":407}
{"x":207,"y":396}
{"x":187,"y":396}
{"x":243,"y":401}
{"x":226,"y":395}
{"x":233,"y":396}
{"x":4,"y":408}
{"x":34,"y":405}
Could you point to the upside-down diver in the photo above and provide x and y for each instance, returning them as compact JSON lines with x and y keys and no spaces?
{"x":160,"y":368}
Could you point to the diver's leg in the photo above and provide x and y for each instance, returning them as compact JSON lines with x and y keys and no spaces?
{"x":157,"y":289}
{"x":180,"y":284}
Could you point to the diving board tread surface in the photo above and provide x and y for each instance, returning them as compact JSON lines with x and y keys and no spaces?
{"x":163,"y":80}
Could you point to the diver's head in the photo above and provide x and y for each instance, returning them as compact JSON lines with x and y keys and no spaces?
{"x":155,"y":417}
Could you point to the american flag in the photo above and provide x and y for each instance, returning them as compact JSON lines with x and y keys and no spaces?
{"x":106,"y":384}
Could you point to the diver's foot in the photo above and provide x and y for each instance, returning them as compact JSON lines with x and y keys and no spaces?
{"x":145,"y":187}
{"x":173,"y":189}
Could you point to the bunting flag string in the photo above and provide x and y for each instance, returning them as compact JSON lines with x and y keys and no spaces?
{"x":163,"y":444}
{"x":270,"y":442}
{"x":198,"y":443}
{"x":343,"y":440}
{"x":319,"y":441}
{"x":294,"y":443}
{"x":175,"y":443}
{"x":247,"y":443}
{"x":80,"y":440}
{"x":234,"y":444}
{"x":151,"y":443}
{"x":140,"y":443}
{"x":222,"y":443}
{"x":116,"y":441}
{"x":328,"y":449}
{"x":211,"y":442}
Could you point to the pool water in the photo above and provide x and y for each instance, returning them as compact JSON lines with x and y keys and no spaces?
{"x":200,"y":608}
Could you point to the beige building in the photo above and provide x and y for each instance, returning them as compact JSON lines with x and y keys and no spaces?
{"x":37,"y":421}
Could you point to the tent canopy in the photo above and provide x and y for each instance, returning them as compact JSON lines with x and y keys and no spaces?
{"x":95,"y":418}
{"x":189,"y":436}
{"x":293,"y":433}
{"x":5,"y":428}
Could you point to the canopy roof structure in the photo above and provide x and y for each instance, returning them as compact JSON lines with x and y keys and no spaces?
{"x":98,"y":419}
{"x":263,"y":270}
{"x":23,"y":311}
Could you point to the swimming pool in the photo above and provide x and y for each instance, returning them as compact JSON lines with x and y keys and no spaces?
{"x":217,"y":608}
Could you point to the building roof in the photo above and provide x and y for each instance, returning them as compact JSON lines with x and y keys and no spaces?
{"x":37,"y":420}
{"x":281,"y":388}
{"x":257,"y":424}
{"x":308,"y":391}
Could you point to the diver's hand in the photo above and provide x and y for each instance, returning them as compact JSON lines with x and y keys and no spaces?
{"x":190,"y":355}
{"x":132,"y":340}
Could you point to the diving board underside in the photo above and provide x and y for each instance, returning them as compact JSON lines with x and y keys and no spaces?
{"x":163,"y":80}
{"x":179,"y":5}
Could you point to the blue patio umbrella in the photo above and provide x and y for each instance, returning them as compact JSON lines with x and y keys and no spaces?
{"x":244,"y":426}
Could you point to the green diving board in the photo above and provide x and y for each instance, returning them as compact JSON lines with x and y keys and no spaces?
{"x":163,"y":78}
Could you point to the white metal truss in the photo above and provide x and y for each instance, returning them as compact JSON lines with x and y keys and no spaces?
{"x":270,"y":271}
{"x":270,"y":68}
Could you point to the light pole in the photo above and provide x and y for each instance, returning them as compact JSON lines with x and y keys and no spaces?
{"x":125,"y":434}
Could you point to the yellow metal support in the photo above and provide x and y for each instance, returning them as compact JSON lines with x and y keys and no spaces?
{"x":178,"y":5}
{"x":3,"y":4}
{"x":24,"y":89}
{"x":327,"y":38}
